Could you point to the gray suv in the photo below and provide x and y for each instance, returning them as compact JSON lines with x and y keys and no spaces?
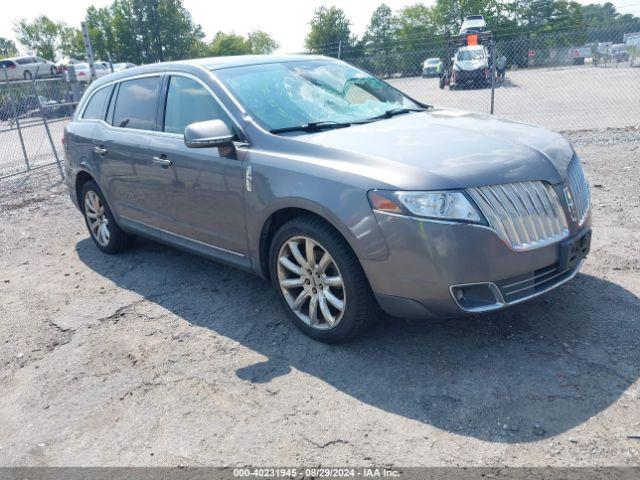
{"x":348,"y":195}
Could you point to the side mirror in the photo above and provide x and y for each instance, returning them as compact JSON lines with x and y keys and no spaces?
{"x":210,"y":133}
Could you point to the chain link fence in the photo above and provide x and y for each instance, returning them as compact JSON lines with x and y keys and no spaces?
{"x":32,"y":118}
{"x":563,"y":79}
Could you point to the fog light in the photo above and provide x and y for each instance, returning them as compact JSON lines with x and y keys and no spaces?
{"x":477,"y":297}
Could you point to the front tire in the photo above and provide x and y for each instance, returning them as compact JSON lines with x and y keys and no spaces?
{"x":104,"y":231}
{"x":27,"y":75}
{"x":320,"y":282}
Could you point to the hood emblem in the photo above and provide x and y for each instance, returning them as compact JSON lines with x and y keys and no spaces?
{"x":571,"y":205}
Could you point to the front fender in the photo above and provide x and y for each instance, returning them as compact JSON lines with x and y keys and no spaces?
{"x":342,"y":205}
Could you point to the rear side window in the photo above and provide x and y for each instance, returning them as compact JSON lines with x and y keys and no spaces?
{"x":7,"y":64}
{"x":136,"y":104}
{"x":188,"y":102}
{"x":96,"y":105}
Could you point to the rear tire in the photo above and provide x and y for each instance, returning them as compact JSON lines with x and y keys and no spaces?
{"x":54,"y":72}
{"x":102,"y":226}
{"x":328,"y":298}
{"x":27,"y":75}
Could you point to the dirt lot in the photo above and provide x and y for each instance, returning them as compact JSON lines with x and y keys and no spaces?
{"x":565,"y":98}
{"x":157,"y":357}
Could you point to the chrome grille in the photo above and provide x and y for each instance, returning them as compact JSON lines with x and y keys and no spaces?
{"x":579,"y":190}
{"x":526,"y":215}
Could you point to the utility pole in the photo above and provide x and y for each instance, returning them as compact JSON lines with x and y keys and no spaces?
{"x":88,"y":49}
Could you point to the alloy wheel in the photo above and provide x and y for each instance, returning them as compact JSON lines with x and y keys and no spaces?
{"x":97,"y":218}
{"x":311,"y":282}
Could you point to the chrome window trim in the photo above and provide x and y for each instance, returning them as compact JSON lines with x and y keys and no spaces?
{"x":159,"y":74}
{"x":113,"y":82}
{"x":86,"y":104}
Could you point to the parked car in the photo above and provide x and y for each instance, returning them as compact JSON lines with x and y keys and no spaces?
{"x":25,"y":68}
{"x":63,"y":64}
{"x":83,"y":72}
{"x":619,"y":53}
{"x":347,"y":194}
{"x":432,"y":67}
{"x":470,"y":68}
{"x":473,"y":24}
{"x":579,"y":54}
{"x":117,"y":67}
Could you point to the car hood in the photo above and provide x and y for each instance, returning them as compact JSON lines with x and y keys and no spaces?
{"x":445,"y":149}
{"x":470,"y":65}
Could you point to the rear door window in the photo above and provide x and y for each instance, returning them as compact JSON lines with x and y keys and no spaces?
{"x":188,"y":102}
{"x":96,"y":105}
{"x":136,"y":104}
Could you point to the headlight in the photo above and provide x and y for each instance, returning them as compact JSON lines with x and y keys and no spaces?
{"x":447,"y":205}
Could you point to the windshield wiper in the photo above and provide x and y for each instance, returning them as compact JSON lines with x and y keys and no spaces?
{"x":311,"y":127}
{"x":393,"y":112}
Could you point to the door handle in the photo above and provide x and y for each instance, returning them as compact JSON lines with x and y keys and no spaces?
{"x":100,"y":150}
{"x":163,"y":162}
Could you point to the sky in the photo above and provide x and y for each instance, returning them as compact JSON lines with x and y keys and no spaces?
{"x":287,"y":21}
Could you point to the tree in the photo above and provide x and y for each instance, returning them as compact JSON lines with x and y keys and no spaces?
{"x":101,"y":31}
{"x":144,"y":31}
{"x":42,"y":36}
{"x":449,"y":14}
{"x":72,"y":43}
{"x":415,"y":26}
{"x":379,"y":35}
{"x":261,"y":42}
{"x":7,"y":48}
{"x":329,"y":28}
{"x":228,"y":44}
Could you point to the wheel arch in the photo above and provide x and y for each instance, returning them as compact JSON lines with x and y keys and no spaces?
{"x":82,"y":177}
{"x":281,"y":216}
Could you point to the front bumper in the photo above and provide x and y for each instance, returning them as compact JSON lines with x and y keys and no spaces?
{"x":429,"y":260}
{"x":470,"y":77}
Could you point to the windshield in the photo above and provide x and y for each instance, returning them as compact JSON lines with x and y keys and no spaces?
{"x":476,"y":54}
{"x":281,"y":95}
{"x":471,"y":23}
{"x":432,"y":61}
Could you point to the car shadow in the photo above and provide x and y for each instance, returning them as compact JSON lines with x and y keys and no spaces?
{"x":525,"y":374}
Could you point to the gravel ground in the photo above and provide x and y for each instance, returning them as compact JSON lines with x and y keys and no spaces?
{"x":157,"y":357}
{"x":564,"y":98}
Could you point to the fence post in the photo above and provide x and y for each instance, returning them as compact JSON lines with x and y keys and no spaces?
{"x":73,"y":81}
{"x":16,"y":119}
{"x":339,"y":49}
{"x":493,"y":74}
{"x":89,"y":49}
{"x":46,"y":124}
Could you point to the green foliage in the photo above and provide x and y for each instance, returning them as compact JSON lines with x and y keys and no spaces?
{"x":42,"y":36}
{"x":380,"y":33}
{"x":228,"y":44}
{"x":7,"y":48}
{"x":329,"y":28}
{"x":416,"y":26}
{"x":143,"y":31}
{"x":261,"y":43}
{"x":148,"y":31}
